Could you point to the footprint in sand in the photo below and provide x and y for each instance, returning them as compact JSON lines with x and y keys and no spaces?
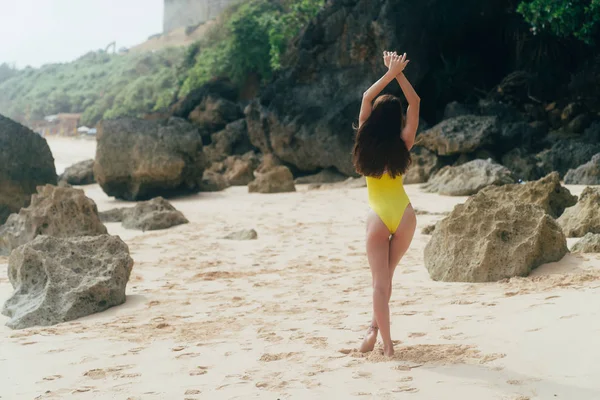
{"x":406,"y":379}
{"x":187,"y":355}
{"x":569,"y":316}
{"x":100,"y":373}
{"x":278,"y":356}
{"x":52,"y":377}
{"x":362,"y":375}
{"x":405,"y":389}
{"x":192,"y":391}
{"x":199,"y":370}
{"x":416,"y":334}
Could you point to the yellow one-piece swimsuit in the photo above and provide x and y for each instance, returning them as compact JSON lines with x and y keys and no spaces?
{"x":388,"y":199}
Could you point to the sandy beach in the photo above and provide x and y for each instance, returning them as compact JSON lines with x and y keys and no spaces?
{"x":281,"y":317}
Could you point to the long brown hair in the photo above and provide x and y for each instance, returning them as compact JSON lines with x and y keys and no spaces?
{"x":379,"y":147}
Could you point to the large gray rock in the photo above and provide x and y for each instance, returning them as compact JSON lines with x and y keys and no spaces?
{"x":487,"y":239}
{"x":276,"y":180}
{"x":149,"y":215}
{"x":424,"y":164}
{"x":523,"y":166}
{"x":565,"y":155}
{"x":468,"y":178}
{"x":25,"y":163}
{"x":233,"y":140}
{"x":54,"y":211}
{"x":325,"y":176}
{"x":547,"y":193}
{"x":305,"y":115}
{"x":214,"y":113}
{"x":590,"y":243}
{"x":463,"y":134}
{"x":213,"y":182}
{"x":81,"y":173}
{"x":583,"y":217}
{"x":239,"y":171}
{"x":586,"y":174}
{"x":138,"y":159}
{"x":61,"y":279}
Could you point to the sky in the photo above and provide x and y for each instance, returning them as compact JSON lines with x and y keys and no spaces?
{"x":37,"y":32}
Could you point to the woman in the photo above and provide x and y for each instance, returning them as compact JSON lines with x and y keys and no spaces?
{"x":382,"y":154}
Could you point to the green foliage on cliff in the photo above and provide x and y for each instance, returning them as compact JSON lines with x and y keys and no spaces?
{"x":99,"y":85}
{"x":564,"y":18}
{"x":251,"y":40}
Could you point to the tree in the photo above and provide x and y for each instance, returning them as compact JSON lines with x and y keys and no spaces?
{"x":564,"y":18}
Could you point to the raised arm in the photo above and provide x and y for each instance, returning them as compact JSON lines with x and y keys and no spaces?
{"x":414,"y":101}
{"x":395,"y":66}
{"x":367,"y":100}
{"x":412,"y":112}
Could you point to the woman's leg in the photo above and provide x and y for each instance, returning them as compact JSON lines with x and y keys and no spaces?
{"x":398,"y":245}
{"x":402,"y":239}
{"x":378,"y":247}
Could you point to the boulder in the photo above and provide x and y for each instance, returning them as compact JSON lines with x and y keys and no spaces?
{"x":590,"y":243}
{"x":213,"y":182}
{"x":463,"y":134}
{"x":586,"y":174}
{"x":138,"y":159}
{"x":150,"y":215}
{"x":469,"y":178}
{"x":487,"y":239}
{"x":424,"y":164}
{"x":54,"y":211}
{"x":428,"y":230}
{"x":523,"y":166}
{"x":583,"y":217}
{"x":25,"y":163}
{"x":547,"y":193}
{"x":245,"y":234}
{"x":81,"y":173}
{"x":213,"y":114}
{"x":565,"y":155}
{"x":61,"y":279}
{"x":276,"y":180}
{"x":350,"y":183}
{"x":239,"y":170}
{"x":327,"y":175}
{"x":305,"y":115}
{"x":456,"y":109}
{"x":233,"y":140}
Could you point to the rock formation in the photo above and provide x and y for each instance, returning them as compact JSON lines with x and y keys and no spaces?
{"x":25,"y":163}
{"x":547,"y":193}
{"x":590,"y":243}
{"x":583,"y":217}
{"x":586,"y":174}
{"x":138,"y":159}
{"x":61,"y":279}
{"x":424,"y":164}
{"x":149,"y":215}
{"x":468,"y":178}
{"x":276,"y":180}
{"x":54,"y":211}
{"x":464,"y":134}
{"x":487,"y":239}
{"x":81,"y":173}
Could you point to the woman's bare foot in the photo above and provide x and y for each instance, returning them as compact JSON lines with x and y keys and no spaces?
{"x":369,"y":341}
{"x":388,"y":350}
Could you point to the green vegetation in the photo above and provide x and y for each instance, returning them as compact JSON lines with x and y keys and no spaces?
{"x":564,"y":18}
{"x":250,"y":39}
{"x":97,"y":84}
